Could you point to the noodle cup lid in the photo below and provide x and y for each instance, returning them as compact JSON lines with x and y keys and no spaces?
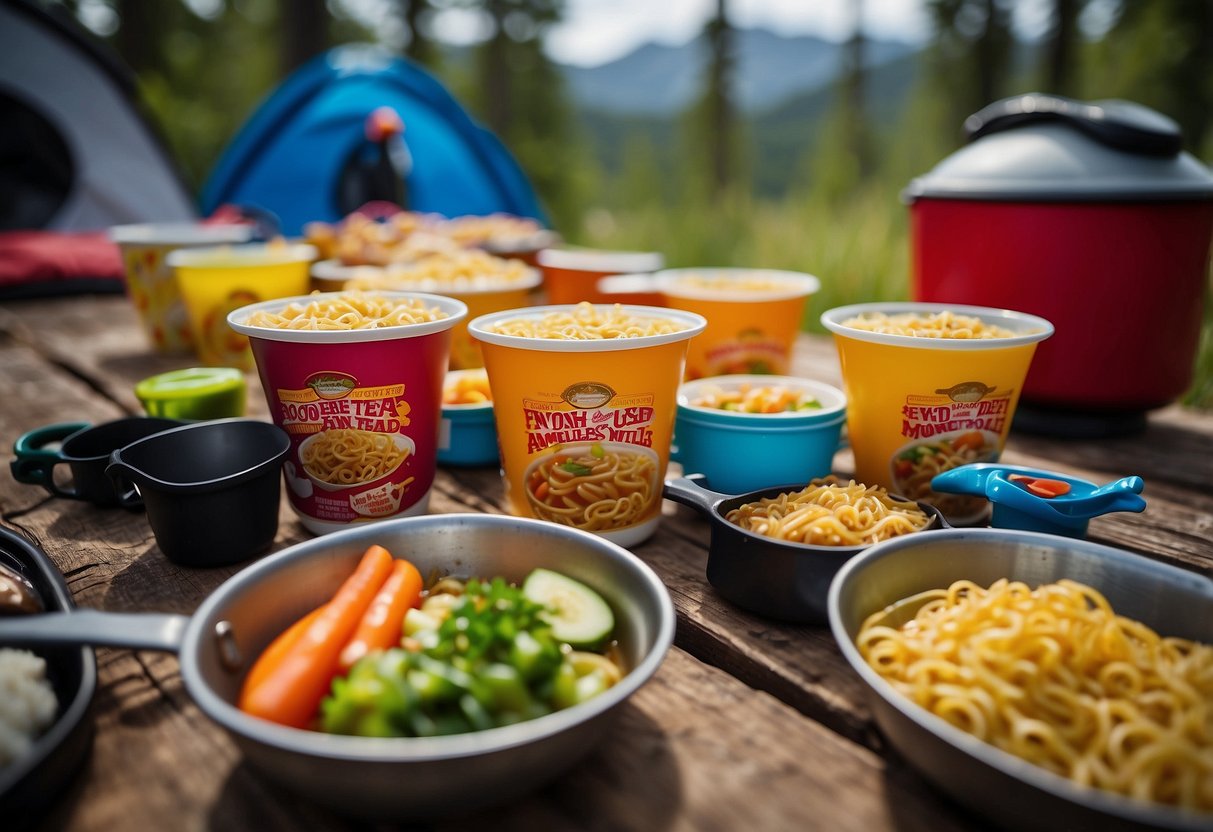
{"x":248,"y":255}
{"x":337,"y":271}
{"x":833,"y":401}
{"x":1028,"y":329}
{"x":480,"y":329}
{"x":777,"y":284}
{"x":456,"y":310}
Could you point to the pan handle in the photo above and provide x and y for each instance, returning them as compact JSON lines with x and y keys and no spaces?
{"x":138,"y":631}
{"x":688,"y":491}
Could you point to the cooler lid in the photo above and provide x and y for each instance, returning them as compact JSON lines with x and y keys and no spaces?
{"x":1045,"y":148}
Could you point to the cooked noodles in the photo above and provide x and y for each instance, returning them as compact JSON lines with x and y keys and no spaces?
{"x":351,"y":310}
{"x":914,"y":468}
{"x":1054,"y":676}
{"x":346,"y":456}
{"x":750,"y":398}
{"x":931,"y":325}
{"x":597,"y":490}
{"x":469,"y":387}
{"x":828,"y":513}
{"x":587,"y":322}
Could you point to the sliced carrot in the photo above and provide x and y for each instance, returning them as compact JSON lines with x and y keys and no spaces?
{"x":1042,"y":486}
{"x":542,"y":490}
{"x":384,"y":618}
{"x":290,"y":692}
{"x":271,"y":657}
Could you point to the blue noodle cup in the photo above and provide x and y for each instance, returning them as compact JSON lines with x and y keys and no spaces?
{"x":467,"y":435}
{"x":739,"y":452}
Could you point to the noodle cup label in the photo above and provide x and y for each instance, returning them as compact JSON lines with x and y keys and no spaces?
{"x":362,"y":408}
{"x":753,"y":317}
{"x":918,"y":406}
{"x":584,"y":426}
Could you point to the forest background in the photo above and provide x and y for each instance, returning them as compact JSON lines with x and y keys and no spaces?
{"x":810,"y":181}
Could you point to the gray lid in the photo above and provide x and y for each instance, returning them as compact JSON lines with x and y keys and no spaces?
{"x":1041,"y":148}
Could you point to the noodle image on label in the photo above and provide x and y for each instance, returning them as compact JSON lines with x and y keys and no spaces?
{"x":916,"y":464}
{"x":600,"y":486}
{"x":344,"y":458}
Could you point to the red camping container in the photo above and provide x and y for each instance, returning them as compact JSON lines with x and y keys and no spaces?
{"x":1088,"y":215}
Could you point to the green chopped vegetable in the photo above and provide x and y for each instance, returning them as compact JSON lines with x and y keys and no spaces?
{"x":494,"y":660}
{"x":575,"y":468}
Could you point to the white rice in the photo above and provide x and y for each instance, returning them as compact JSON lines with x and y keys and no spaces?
{"x":27,"y":702}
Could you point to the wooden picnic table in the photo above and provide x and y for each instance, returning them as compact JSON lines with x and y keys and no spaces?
{"x":748,"y":724}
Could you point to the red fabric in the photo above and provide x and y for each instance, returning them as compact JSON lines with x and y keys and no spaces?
{"x":28,"y":257}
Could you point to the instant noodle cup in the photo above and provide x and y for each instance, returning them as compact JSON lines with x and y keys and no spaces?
{"x":571,"y":275}
{"x":216,"y":281}
{"x":931,"y":387}
{"x":361,"y":405}
{"x":150,"y":283}
{"x":584,"y":401}
{"x":753,"y":315}
{"x":484,"y":283}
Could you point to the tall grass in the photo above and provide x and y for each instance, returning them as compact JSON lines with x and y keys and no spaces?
{"x":857,"y":246}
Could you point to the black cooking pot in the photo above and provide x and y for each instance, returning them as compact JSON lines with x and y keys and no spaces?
{"x":775,"y":578}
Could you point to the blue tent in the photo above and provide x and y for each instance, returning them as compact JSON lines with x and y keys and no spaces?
{"x":289,"y":156}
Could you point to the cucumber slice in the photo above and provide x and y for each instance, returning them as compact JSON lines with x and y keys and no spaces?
{"x":579,"y":616}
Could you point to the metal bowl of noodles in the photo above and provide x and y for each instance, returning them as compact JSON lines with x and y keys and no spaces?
{"x":394,"y":779}
{"x":890,"y":579}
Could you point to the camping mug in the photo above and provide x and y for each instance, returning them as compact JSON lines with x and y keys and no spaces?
{"x":86,"y":450}
{"x":211,"y":489}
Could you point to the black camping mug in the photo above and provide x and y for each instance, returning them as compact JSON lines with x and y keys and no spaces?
{"x":211,"y":489}
{"x":86,"y":450}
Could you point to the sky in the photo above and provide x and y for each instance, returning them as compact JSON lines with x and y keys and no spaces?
{"x":595,"y":32}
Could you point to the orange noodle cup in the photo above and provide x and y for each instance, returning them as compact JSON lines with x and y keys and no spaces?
{"x":571,"y":275}
{"x":218,"y":280}
{"x":362,"y":408}
{"x":919,"y":405}
{"x":584,"y":426}
{"x":482,"y":293}
{"x":150,"y":283}
{"x":754,"y":315}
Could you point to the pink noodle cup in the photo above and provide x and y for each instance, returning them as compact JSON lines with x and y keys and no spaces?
{"x":369,"y":396}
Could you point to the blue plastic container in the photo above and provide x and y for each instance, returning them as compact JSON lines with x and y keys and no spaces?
{"x":740,"y":452}
{"x":468,"y":435}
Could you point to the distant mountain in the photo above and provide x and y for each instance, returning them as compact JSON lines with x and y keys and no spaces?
{"x":659,"y":80}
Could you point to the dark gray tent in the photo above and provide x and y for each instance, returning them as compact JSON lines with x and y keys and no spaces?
{"x":75,"y":151}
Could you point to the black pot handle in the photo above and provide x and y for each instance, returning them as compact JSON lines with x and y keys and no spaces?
{"x":1122,"y":125}
{"x":688,"y":491}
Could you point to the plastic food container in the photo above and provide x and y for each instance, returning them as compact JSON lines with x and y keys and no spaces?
{"x":468,"y":434}
{"x":218,"y":280}
{"x":740,"y":452}
{"x":194,"y":393}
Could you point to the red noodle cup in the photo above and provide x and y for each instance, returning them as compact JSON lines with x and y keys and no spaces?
{"x":570,"y":275}
{"x":374,"y":395}
{"x":918,"y":406}
{"x":586,"y":404}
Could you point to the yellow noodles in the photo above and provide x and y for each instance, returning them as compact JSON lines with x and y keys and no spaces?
{"x":826,"y":513}
{"x":597,"y":490}
{"x":932,"y":325}
{"x":346,"y":456}
{"x":915,"y":467}
{"x":732,"y":283}
{"x":466,"y":270}
{"x":1052,"y":675}
{"x":351,"y":310}
{"x":587,"y":322}
{"x":467,"y":388}
{"x":746,"y":398}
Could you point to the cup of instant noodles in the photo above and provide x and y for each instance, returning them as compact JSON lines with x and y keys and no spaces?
{"x":753,"y":315}
{"x":355,"y":379}
{"x":483,"y":282}
{"x":931,"y":387}
{"x":584,"y":401}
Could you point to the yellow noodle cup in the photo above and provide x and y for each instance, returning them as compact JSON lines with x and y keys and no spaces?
{"x":584,"y":426}
{"x":918,"y":406}
{"x":481,"y":295}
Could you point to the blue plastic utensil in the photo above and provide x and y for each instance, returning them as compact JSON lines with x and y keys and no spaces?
{"x":1017,"y":508}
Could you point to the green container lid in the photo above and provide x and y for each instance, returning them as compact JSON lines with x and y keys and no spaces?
{"x":194,"y":393}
